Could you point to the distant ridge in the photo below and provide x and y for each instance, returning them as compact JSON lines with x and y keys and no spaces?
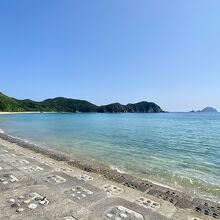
{"x":61,"y":104}
{"x":208,"y":109}
{"x":142,"y":107}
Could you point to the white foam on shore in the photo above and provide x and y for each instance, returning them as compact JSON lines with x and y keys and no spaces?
{"x":118,"y":170}
{"x":1,"y":131}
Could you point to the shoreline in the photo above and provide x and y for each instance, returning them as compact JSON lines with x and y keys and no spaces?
{"x":83,"y":159}
{"x":53,"y":153}
{"x":162,"y":191}
{"x":81,"y":162}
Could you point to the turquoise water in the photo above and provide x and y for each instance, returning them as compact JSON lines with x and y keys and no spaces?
{"x":178,"y":149}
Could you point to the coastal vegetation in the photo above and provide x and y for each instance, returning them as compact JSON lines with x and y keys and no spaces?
{"x":143,"y":107}
{"x":61,"y":104}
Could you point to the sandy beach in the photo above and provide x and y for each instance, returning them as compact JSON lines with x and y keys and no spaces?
{"x":42,"y":184}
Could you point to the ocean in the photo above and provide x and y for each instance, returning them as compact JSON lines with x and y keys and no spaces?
{"x":177,"y":149}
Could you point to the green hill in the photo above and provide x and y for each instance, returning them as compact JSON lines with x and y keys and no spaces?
{"x":60,"y":104}
{"x":50,"y":105}
{"x":144,"y":107}
{"x":115,"y":107}
{"x":140,"y":107}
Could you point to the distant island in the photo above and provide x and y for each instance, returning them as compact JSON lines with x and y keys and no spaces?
{"x":61,"y":104}
{"x":207,"y":109}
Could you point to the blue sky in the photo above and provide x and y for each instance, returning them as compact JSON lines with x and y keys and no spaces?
{"x":112,"y":51}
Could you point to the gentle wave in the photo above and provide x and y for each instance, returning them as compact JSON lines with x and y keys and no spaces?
{"x":117,"y":169}
{"x":1,"y":131}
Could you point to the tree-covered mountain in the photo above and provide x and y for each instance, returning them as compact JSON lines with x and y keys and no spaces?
{"x":114,"y":107}
{"x":60,"y":104}
{"x":140,"y":107}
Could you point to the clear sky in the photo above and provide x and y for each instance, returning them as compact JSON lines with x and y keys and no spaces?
{"x":166,"y":51}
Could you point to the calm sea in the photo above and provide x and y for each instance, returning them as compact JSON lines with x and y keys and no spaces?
{"x":178,"y":149}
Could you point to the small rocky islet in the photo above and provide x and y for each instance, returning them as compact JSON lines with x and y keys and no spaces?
{"x":207,"y":109}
